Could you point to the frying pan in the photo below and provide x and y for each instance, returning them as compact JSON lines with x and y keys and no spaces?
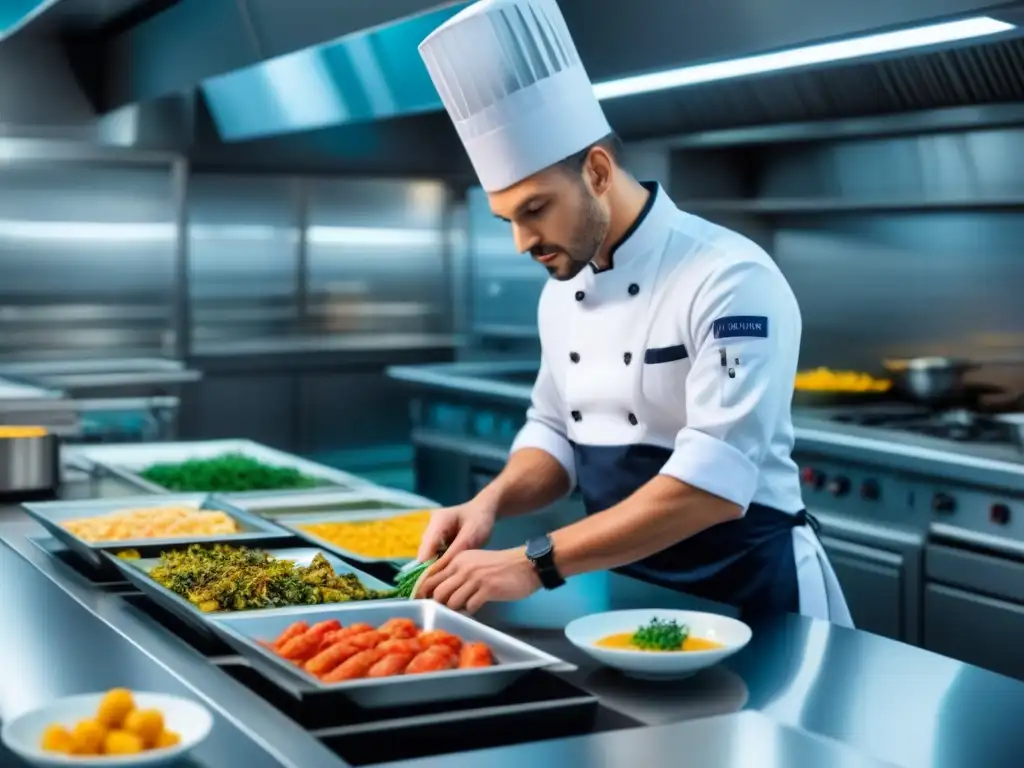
{"x":931,"y":380}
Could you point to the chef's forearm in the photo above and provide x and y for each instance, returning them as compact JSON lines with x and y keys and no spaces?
{"x":531,"y":480}
{"x":662,"y":512}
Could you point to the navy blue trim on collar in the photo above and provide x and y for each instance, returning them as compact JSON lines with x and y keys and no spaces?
{"x":652,"y":189}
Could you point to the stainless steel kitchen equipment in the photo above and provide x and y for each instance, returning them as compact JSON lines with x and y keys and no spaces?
{"x":514,"y":658}
{"x":297,"y":525}
{"x":29,"y":463}
{"x":127,"y":462}
{"x":253,"y":530}
{"x":902,"y":490}
{"x":287,"y":506}
{"x":930,"y":379}
{"x":137,"y":572}
{"x":98,"y":401}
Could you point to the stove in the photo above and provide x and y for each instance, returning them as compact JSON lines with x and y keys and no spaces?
{"x":960,"y":425}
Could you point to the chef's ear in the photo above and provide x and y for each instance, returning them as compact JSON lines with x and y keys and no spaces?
{"x":599,"y":167}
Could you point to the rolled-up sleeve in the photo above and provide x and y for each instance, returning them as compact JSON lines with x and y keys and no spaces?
{"x":545,"y":424}
{"x":748,"y":310}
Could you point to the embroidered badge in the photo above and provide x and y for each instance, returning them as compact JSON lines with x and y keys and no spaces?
{"x":740,"y":327}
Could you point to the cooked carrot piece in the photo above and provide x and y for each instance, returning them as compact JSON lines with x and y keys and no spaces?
{"x":354,"y":667}
{"x":474,"y":655}
{"x":391,"y":664}
{"x":328,"y":659}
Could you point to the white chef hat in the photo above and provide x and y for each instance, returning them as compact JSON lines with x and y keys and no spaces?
{"x":509,"y":75}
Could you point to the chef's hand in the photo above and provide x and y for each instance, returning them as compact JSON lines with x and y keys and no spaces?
{"x":466,"y":526}
{"x":478,"y":576}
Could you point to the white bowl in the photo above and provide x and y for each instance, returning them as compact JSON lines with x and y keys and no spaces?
{"x":586,"y":631}
{"x":192,"y":721}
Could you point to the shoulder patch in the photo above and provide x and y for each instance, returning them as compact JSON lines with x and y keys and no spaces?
{"x":740,"y":327}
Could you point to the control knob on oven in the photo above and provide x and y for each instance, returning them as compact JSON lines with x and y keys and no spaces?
{"x":812,"y":477}
{"x":839,"y":486}
{"x":870,"y":490}
{"x":943,"y":503}
{"x":999,"y":514}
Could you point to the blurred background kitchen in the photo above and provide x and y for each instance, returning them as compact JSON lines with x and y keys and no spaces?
{"x":251,"y":219}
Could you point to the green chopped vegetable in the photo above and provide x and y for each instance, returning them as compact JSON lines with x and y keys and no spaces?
{"x":406,"y":582}
{"x":659,"y":635}
{"x":228,"y":473}
{"x":226,"y":578}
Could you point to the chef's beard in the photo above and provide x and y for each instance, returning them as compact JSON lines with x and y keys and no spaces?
{"x":588,"y":236}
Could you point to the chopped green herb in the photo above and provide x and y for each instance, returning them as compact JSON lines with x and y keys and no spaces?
{"x":405,"y":583}
{"x":227,"y":473}
{"x":659,"y":635}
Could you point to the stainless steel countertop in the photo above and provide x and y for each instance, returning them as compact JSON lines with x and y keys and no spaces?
{"x":885,"y":699}
{"x":746,"y":740}
{"x":966,"y":462}
{"x":878,"y":698}
{"x":70,"y":637}
{"x":342,"y":342}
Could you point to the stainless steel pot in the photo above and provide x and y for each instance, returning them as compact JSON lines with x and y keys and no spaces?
{"x":29,"y":462}
{"x":930,"y":379}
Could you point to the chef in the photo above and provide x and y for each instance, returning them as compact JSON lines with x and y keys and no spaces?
{"x":669,"y":350}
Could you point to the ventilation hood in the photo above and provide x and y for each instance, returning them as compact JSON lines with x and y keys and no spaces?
{"x":268,"y":68}
{"x":364,"y":77}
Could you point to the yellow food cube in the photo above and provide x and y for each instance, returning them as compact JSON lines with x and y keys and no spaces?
{"x":87,"y":738}
{"x":147,"y":724}
{"x":168,"y":739}
{"x":115,"y":707}
{"x":57,"y":738}
{"x":122,"y":743}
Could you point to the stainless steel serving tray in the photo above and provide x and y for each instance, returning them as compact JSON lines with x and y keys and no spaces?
{"x":137,"y":572}
{"x":292,"y":523}
{"x":287,"y":506}
{"x":243,"y":631}
{"x":255,"y":531}
{"x":129,"y":461}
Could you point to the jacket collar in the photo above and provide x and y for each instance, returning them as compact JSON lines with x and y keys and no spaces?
{"x":646,"y":234}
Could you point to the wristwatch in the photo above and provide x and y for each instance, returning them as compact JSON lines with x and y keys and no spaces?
{"x":541,"y":552}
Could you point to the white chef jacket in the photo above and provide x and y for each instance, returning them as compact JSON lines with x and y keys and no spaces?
{"x":690,"y":342}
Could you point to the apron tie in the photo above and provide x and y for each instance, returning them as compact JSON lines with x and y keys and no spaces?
{"x":803,"y":517}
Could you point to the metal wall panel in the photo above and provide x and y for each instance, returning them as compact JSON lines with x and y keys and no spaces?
{"x":934,"y":282}
{"x":243,"y":256}
{"x":86,"y":260}
{"x":506,"y":284}
{"x":376,"y":256}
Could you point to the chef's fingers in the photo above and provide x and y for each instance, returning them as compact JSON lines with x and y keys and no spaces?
{"x":444,"y":591}
{"x":462,"y":595}
{"x":443,"y":525}
{"x":477,"y":601}
{"x":463,"y":541}
{"x":427,"y":582}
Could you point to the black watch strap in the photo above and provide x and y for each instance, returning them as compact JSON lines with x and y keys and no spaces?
{"x":541,"y":552}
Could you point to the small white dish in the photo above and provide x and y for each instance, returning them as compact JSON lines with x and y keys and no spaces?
{"x":658,"y":665}
{"x":22,"y":735}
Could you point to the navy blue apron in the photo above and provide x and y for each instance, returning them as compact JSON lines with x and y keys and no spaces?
{"x":747,"y":563}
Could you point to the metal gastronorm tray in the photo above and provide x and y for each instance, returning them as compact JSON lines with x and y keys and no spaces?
{"x":243,"y":631}
{"x":254,"y":529}
{"x":284,"y":505}
{"x":293,"y":522}
{"x":137,"y":572}
{"x":128,"y":461}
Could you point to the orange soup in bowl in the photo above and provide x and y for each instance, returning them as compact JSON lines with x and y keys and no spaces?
{"x":623,"y":641}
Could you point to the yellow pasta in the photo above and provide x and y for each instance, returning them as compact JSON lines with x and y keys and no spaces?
{"x":152,"y":523}
{"x":825,"y":380}
{"x":387,"y":538}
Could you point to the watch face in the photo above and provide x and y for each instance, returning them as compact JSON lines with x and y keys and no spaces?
{"x":538,"y":547}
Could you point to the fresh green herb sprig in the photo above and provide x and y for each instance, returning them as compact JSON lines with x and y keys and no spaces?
{"x":660,"y":635}
{"x":227,"y":473}
{"x":405,"y":583}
